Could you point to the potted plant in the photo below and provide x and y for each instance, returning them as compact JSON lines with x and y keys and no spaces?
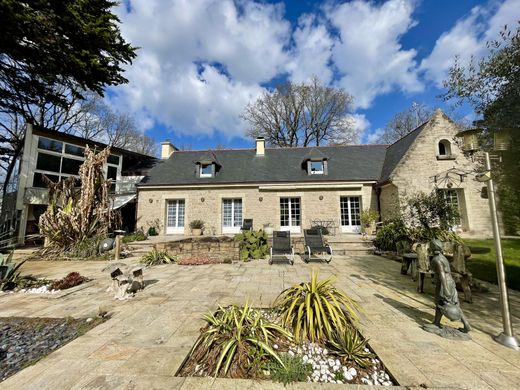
{"x":268,"y":229}
{"x":368,"y":219}
{"x":196,"y":227}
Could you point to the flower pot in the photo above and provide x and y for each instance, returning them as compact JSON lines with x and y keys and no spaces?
{"x":269,"y":230}
{"x":196,"y":232}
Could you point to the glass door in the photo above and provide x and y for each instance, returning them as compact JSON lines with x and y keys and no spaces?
{"x":175,"y":216}
{"x":350,"y":207}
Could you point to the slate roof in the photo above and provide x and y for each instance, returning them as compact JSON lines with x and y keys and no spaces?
{"x":345,"y":163}
{"x":396,"y":151}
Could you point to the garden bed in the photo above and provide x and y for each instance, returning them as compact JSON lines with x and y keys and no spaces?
{"x":308,"y":334}
{"x":24,"y":341}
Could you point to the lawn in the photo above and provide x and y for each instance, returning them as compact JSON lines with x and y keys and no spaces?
{"x":482,"y":262}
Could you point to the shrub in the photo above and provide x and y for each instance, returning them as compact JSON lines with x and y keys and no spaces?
{"x":156,"y":257}
{"x":253,"y":244}
{"x":391,"y":233}
{"x":368,"y":216}
{"x":238,"y":338}
{"x":294,"y":369}
{"x":428,"y":234}
{"x":196,"y":224}
{"x":152,"y":231}
{"x":71,"y":280}
{"x":432,"y":211}
{"x":8,"y":272}
{"x":350,"y":347}
{"x":312,"y":310}
{"x":138,"y":235}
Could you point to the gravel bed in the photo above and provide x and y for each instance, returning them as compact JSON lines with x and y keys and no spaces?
{"x":23,"y":341}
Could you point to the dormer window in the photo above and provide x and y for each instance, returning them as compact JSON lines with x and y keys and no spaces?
{"x":316,"y":167}
{"x":206,"y":170}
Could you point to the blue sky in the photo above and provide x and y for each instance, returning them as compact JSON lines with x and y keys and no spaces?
{"x":201,"y":62}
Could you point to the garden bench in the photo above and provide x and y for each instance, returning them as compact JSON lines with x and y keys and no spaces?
{"x":409,"y":258}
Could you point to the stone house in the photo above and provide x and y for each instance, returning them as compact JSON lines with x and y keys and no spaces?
{"x":295,"y":188}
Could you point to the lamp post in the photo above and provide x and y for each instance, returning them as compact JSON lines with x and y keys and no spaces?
{"x":506,"y":338}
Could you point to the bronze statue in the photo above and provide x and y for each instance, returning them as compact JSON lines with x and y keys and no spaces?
{"x":446,"y":296}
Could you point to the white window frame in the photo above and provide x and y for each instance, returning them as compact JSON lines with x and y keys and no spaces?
{"x":320,"y":172}
{"x":350,"y":228}
{"x":449,"y":199}
{"x":205,"y":174}
{"x":234,"y":202}
{"x":175,"y":229}
{"x":291,"y":228}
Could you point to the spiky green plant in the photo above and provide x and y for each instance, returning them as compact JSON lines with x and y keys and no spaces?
{"x":8,"y":272}
{"x":236,"y":335}
{"x":349,"y":346}
{"x":294,"y":369}
{"x":313,"y":310}
{"x":156,"y":257}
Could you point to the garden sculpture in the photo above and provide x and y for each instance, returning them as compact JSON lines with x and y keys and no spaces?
{"x":446,"y":296}
{"x":125,"y":284}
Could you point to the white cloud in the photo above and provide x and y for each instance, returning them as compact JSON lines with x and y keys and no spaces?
{"x":368,"y":53}
{"x":200,"y":61}
{"x":373,"y":137}
{"x":359,"y":122}
{"x":312,"y":53}
{"x":468,"y":37}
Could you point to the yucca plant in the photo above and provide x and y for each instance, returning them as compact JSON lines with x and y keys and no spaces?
{"x":8,"y":272}
{"x":350,"y":347}
{"x":313,"y":310}
{"x":235,"y":337}
{"x":156,"y":257}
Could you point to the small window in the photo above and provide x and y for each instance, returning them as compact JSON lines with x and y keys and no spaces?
{"x":50,"y":144}
{"x":75,"y":150}
{"x":113,"y":159}
{"x":316,"y":168}
{"x":48,"y":162}
{"x":70,"y":166}
{"x":444,"y":148}
{"x":206,"y":170}
{"x":112,"y":173}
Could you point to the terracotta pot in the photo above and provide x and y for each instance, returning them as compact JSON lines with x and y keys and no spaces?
{"x":196,"y":232}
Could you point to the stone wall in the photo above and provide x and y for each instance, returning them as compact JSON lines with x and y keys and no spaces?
{"x":415,"y":171}
{"x":218,"y":248}
{"x":262,"y":204}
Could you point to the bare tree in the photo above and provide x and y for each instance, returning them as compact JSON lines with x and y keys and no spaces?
{"x":302,"y":115}
{"x":404,"y":122}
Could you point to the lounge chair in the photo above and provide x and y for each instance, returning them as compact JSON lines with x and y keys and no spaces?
{"x":282,"y":246}
{"x":247,"y":224}
{"x":314,"y":243}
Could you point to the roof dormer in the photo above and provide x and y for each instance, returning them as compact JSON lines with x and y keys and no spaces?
{"x":315,"y":162}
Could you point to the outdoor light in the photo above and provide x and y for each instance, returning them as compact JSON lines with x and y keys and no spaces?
{"x":260,"y":199}
{"x":321,"y":197}
{"x":202,"y":200}
{"x":507,"y":337}
{"x":470,"y":138}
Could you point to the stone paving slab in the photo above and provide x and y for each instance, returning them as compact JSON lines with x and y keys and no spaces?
{"x":148,"y":337}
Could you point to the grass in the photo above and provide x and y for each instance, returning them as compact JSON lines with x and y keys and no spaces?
{"x":482,"y":263}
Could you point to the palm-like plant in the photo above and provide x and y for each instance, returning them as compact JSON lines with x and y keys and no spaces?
{"x":313,"y":310}
{"x":236,"y":335}
{"x":156,"y":257}
{"x":8,"y":272}
{"x":350,"y":347}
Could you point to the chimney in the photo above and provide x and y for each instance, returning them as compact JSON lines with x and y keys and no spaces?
{"x":260,"y":146}
{"x":167,"y":150}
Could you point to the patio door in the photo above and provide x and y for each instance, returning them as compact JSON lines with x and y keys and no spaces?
{"x":290,"y":214}
{"x":231,"y":215}
{"x":175,"y":211}
{"x":350,"y":207}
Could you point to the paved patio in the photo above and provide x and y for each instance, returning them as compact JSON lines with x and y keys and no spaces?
{"x":148,"y":337}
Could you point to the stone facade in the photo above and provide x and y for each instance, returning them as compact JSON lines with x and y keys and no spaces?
{"x":422,"y":162}
{"x":259,"y":202}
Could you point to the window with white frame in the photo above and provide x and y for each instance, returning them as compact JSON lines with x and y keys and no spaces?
{"x":206,"y":170}
{"x":290,"y":214}
{"x":452,"y":198}
{"x":231,"y":215}
{"x":316,"y":167}
{"x":444,"y":149}
{"x":175,"y":211}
